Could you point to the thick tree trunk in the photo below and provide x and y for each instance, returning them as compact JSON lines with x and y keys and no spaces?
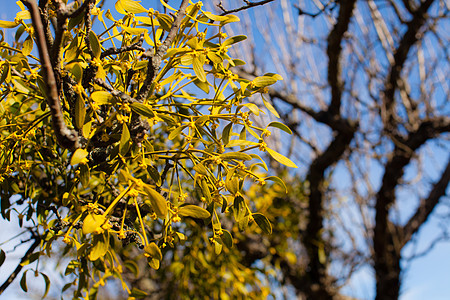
{"x":388,"y":273}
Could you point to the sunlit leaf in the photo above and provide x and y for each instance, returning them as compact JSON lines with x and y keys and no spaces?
{"x":134,"y":30}
{"x":142,"y":109}
{"x":230,"y":19}
{"x":235,"y":155}
{"x":193,"y":211}
{"x":137,"y":293}
{"x":132,"y":6}
{"x":80,"y":112}
{"x":214,"y":17}
{"x":27,"y":46}
{"x":124,"y":140}
{"x":281,"y":158}
{"x":92,"y":222}
{"x":8,"y":24}
{"x":270,"y":107}
{"x":280,"y":126}
{"x":78,"y":156}
{"x":157,"y":201}
{"x":165,"y":21}
{"x":102,"y":97}
{"x":277,"y":180}
{"x":198,"y":69}
{"x":100,"y":246}
{"x":263,"y":81}
{"x":234,"y":40}
{"x":153,"y":251}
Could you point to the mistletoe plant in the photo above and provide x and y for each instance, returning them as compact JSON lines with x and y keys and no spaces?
{"x":123,"y":129}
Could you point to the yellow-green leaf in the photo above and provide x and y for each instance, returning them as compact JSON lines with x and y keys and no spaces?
{"x":80,"y":112}
{"x":132,"y":266}
{"x":213,"y":17}
{"x":102,"y":97}
{"x":131,"y":6}
{"x":142,"y":109}
{"x":226,"y":133}
{"x":24,"y":15}
{"x":200,"y":169}
{"x":235,"y":155}
{"x":92,"y":222}
{"x":27,"y":46}
{"x":78,"y":156}
{"x":263,"y":81}
{"x":232,"y":185}
{"x":277,"y":180}
{"x":198,"y":69}
{"x":218,"y":247}
{"x":8,"y":24}
{"x":124,"y":140}
{"x":153,"y":251}
{"x":165,"y":21}
{"x":84,"y":175}
{"x":134,"y":30}
{"x":233,"y":40}
{"x":280,"y":126}
{"x":157,"y":202}
{"x":205,"y":190}
{"x":95,"y":44}
{"x":193,"y":211}
{"x":176,"y":132}
{"x":263,"y":222}
{"x":47,"y":284}
{"x":230,"y":19}
{"x":270,"y":107}
{"x":234,"y":143}
{"x":100,"y":246}
{"x":281,"y":158}
{"x":154,"y":263}
{"x":227,"y":238}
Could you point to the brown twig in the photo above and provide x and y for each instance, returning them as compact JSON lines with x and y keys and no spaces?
{"x":66,"y":138}
{"x":427,"y":206}
{"x":7,"y":283}
{"x":249,"y":5}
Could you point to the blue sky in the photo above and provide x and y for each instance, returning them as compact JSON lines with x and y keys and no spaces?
{"x":427,"y":277}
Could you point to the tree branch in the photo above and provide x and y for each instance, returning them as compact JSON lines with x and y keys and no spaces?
{"x":66,"y":138}
{"x":410,"y":37}
{"x":249,"y":5}
{"x":334,"y":52}
{"x":426,"y":206}
{"x":114,"y":50}
{"x":19,"y":267}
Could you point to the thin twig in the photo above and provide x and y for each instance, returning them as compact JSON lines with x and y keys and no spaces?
{"x":249,"y":5}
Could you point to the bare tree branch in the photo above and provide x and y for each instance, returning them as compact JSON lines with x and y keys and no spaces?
{"x":334,"y":52}
{"x":19,"y":267}
{"x":426,"y":206}
{"x":408,"y":40}
{"x":249,"y":5}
